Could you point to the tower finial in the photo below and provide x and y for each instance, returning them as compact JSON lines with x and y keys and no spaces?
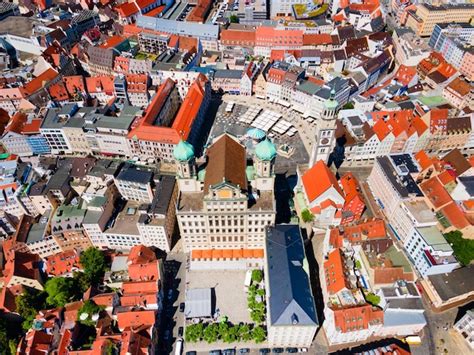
{"x":333,"y":93}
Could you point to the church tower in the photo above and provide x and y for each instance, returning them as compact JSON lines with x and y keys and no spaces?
{"x":186,"y":166}
{"x":325,"y":131}
{"x":264,"y":161}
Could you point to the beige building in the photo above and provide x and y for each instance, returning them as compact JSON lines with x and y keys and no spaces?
{"x":77,"y":138}
{"x":423,"y":20}
{"x":227,"y":204}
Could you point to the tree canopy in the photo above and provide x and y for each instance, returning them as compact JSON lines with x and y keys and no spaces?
{"x":463,"y":248}
{"x":90,"y":308}
{"x":257,"y":276}
{"x":61,"y":290}
{"x":307,"y":216}
{"x":372,"y":299}
{"x":94,"y":264}
{"x":28,"y":304}
{"x":8,"y":341}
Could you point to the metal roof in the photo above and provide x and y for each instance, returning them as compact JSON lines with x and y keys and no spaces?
{"x":291,"y":300}
{"x":198,"y":303}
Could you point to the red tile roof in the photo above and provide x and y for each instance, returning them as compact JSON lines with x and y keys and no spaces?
{"x":138,"y":299}
{"x":58,"y":92}
{"x":356,"y":318}
{"x":423,"y":159}
{"x":200,"y":11}
{"x":62,"y":263}
{"x":40,"y":81}
{"x":405,"y":74}
{"x":316,"y":39}
{"x":127,"y":9}
{"x":142,"y":286}
{"x":8,"y":296}
{"x":137,"y":83}
{"x":113,"y":41}
{"x":435,"y":192}
{"x":99,"y":84}
{"x":212,"y":254}
{"x":145,"y":271}
{"x":334,"y":272}
{"x":183,"y":121}
{"x":140,"y":254}
{"x":455,"y":216}
{"x":319,"y":179}
{"x":135,"y":319}
{"x":381,"y":129}
{"x":231,"y":36}
{"x":74,"y":84}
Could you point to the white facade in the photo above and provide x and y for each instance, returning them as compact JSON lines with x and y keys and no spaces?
{"x":430,"y":252}
{"x":283,"y":7}
{"x":465,"y":327}
{"x":56,"y":140}
{"x":16,"y":144}
{"x":136,"y":191}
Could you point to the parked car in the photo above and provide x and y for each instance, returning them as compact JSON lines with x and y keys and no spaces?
{"x":215,"y":352}
{"x":228,"y":352}
{"x":291,"y":350}
{"x":278,"y":350}
{"x":303,"y":350}
{"x":244,"y":351}
{"x":191,"y":353}
{"x":180,"y":331}
{"x":181,"y":307}
{"x":264,"y":351}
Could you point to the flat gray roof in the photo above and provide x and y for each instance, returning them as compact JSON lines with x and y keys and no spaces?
{"x":198,"y":303}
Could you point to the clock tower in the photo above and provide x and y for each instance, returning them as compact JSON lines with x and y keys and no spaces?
{"x":325,"y":131}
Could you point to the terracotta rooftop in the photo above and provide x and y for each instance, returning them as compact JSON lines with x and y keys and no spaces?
{"x":227,"y":161}
{"x":334,"y":271}
{"x":319,"y":179}
{"x":213,"y":254}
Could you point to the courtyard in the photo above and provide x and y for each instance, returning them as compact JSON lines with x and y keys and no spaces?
{"x":231,"y":299}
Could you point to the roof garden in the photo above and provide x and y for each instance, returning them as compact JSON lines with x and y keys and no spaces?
{"x":310,"y":10}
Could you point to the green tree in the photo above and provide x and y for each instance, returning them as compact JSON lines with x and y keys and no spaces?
{"x":90,"y":308}
{"x":232,"y":335}
{"x":258,"y":334}
{"x":307,"y":216}
{"x":28,"y":304}
{"x":261,"y":292}
{"x":358,"y":265}
{"x":60,"y":291}
{"x":211,"y":333}
{"x":463,"y":248}
{"x":93,"y":263}
{"x":234,"y":19}
{"x":223,"y":329}
{"x":81,"y":280}
{"x":257,"y":276}
{"x":245,"y":332}
{"x":194,"y":332}
{"x":348,"y":106}
{"x":257,"y":315}
{"x":372,"y":299}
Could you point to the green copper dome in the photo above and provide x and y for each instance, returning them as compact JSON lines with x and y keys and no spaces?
{"x":183,"y":151}
{"x":265,"y":150}
{"x":256,"y":133}
{"x":331,"y":103}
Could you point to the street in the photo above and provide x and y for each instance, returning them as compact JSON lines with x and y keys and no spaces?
{"x":175,"y":276}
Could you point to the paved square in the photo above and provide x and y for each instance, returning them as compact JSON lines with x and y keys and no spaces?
{"x":231,"y":299}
